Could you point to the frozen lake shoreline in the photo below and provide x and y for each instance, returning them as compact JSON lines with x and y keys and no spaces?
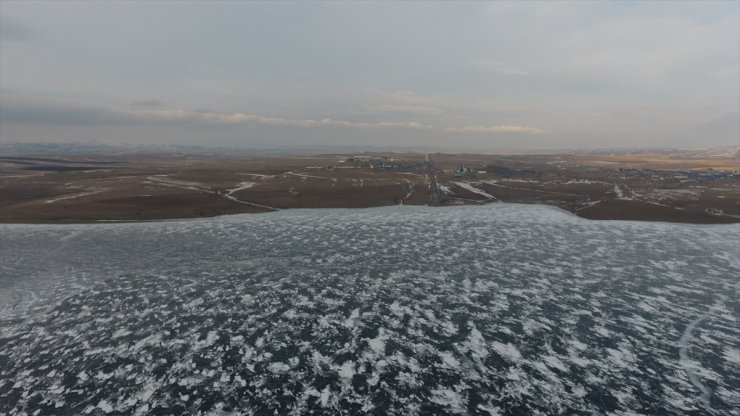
{"x":390,"y":208}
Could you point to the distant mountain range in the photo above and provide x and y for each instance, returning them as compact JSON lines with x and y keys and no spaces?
{"x":91,"y":148}
{"x":88,"y":148}
{"x":725,"y":152}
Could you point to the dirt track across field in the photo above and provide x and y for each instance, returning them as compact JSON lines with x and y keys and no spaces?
{"x":89,"y":189}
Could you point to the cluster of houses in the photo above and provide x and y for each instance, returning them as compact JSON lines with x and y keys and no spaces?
{"x":367,"y":161}
{"x":705,"y":176}
{"x":363,"y":158}
{"x":684,"y":175}
{"x":377,"y":162}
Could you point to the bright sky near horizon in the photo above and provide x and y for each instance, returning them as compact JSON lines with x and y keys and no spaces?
{"x":478,"y":75}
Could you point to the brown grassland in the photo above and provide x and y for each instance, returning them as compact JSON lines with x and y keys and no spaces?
{"x":140,"y":188}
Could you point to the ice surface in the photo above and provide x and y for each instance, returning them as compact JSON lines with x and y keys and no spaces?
{"x":499,"y":309}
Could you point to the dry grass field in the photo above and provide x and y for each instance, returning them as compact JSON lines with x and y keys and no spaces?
{"x":139,"y":188}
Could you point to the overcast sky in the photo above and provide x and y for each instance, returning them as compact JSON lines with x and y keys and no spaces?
{"x":485,"y":75}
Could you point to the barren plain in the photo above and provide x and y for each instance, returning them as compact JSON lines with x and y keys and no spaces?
{"x":646,"y":186}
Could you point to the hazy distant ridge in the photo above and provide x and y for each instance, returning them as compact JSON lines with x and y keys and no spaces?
{"x":90,"y":148}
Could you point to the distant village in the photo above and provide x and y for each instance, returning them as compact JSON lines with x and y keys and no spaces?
{"x":502,"y":170}
{"x":683,"y":175}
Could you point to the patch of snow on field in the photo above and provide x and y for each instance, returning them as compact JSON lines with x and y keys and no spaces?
{"x":80,"y":195}
{"x":518,"y":180}
{"x":305,"y":176}
{"x":473,"y":189}
{"x":446,"y":189}
{"x":409,"y":191}
{"x":162,"y":180}
{"x":618,"y":192}
{"x":585,"y":181}
{"x":588,"y":204}
{"x":242,"y":186}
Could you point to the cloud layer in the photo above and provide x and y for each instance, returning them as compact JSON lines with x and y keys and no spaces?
{"x":565,"y":74}
{"x":499,"y":130}
{"x":173,"y":115}
{"x":18,"y":110}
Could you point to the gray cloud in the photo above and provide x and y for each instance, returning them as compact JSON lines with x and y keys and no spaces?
{"x":501,"y":129}
{"x":498,"y":67}
{"x":239,"y":118}
{"x":14,"y":31}
{"x":150,"y":103}
{"x":597,"y":74}
{"x":727,"y":122}
{"x":29,"y":111}
{"x":401,"y":102}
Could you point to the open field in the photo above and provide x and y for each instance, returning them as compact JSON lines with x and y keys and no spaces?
{"x":127,"y":187}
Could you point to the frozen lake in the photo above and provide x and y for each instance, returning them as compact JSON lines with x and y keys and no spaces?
{"x":501,"y":309}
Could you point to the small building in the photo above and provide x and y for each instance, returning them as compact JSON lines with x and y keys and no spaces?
{"x":462,"y":171}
